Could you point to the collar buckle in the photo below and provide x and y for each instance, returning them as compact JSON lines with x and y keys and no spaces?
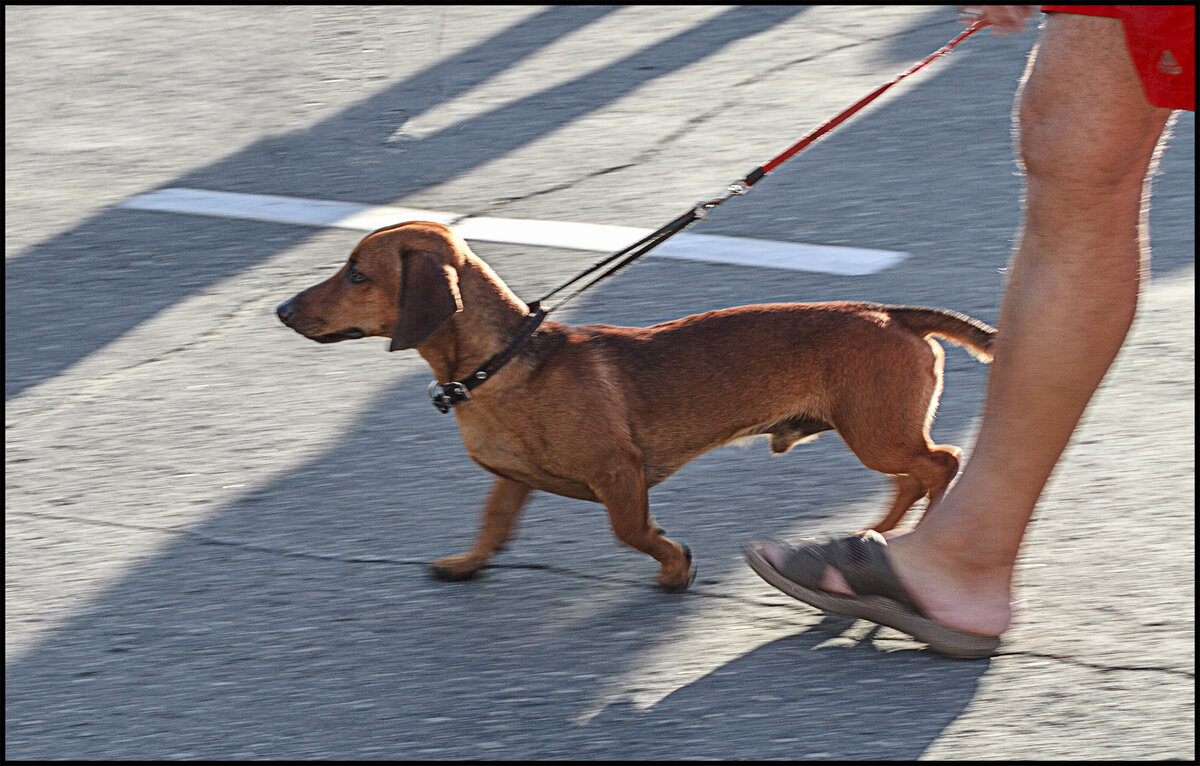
{"x":446,"y":396}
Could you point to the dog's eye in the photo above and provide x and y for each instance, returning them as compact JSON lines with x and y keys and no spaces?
{"x":356,"y":277}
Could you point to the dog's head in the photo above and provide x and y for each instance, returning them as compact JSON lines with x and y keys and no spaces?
{"x":400,"y":282}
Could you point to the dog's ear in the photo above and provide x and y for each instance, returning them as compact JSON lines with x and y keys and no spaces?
{"x":428,"y":297}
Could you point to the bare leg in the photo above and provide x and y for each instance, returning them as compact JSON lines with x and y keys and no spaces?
{"x":1087,"y":140}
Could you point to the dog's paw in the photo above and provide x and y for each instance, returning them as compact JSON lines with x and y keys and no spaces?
{"x":681,"y":581}
{"x":455,"y":568}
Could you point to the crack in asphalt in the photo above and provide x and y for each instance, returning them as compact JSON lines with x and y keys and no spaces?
{"x":203,"y":539}
{"x":86,"y":392}
{"x":691,"y":123}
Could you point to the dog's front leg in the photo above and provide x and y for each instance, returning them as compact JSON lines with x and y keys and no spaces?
{"x":499,"y":517}
{"x":622,"y":489}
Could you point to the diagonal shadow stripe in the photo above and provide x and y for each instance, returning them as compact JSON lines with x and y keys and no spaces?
{"x":118,"y":268}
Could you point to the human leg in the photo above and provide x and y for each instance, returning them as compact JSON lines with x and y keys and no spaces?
{"x":1087,"y":139}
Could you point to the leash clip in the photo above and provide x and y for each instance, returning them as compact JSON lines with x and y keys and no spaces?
{"x":445,"y":397}
{"x":701,"y":211}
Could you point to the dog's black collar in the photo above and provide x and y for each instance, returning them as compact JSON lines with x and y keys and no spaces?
{"x":447,"y":395}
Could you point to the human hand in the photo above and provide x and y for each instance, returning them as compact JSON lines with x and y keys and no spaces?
{"x":1003,"y":19}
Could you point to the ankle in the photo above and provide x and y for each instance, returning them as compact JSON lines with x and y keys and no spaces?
{"x":969,"y":555}
{"x":959,"y":589}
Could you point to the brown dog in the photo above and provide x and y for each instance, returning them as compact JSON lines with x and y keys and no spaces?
{"x":603,"y":413}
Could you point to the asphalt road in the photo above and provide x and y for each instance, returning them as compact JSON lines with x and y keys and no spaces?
{"x":215,"y":530}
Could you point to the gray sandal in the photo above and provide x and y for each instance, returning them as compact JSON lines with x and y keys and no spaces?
{"x":880,"y":598}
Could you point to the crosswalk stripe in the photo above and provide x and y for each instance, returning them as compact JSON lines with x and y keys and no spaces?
{"x":709,"y":248}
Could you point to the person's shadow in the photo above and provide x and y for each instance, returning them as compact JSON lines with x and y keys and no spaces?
{"x":814,"y":695}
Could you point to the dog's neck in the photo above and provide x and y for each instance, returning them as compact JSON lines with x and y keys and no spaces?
{"x":491,"y":317}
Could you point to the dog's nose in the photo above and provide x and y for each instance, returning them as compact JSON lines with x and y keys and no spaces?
{"x":284,"y":311}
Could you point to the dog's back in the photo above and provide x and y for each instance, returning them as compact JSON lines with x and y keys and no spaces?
{"x":696,"y":383}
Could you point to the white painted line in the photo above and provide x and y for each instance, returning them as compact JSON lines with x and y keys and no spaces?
{"x":594,"y":237}
{"x":274,"y":209}
{"x":709,"y":248}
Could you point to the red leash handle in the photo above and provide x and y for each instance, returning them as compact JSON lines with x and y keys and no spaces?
{"x":805,"y":142}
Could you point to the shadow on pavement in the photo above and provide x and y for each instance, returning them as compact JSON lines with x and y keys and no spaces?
{"x":110,"y":278}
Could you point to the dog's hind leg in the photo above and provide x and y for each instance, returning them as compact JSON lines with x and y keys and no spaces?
{"x":930,"y":475}
{"x":908,"y":492}
{"x":885,"y":421}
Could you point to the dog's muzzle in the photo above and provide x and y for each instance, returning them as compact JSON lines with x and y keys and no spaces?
{"x":333,"y":337}
{"x":287,"y":314}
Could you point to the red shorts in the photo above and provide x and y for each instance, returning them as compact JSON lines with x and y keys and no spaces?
{"x":1162,"y":42}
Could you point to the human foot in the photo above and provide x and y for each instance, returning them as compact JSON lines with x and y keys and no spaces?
{"x":853,"y":576}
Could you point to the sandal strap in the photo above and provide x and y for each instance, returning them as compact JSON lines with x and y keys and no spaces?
{"x":862,"y":561}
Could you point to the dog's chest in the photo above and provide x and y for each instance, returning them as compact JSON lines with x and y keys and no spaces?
{"x":493,"y":449}
{"x":492,"y":444}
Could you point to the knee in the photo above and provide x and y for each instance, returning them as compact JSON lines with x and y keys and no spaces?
{"x":1047,"y":159}
{"x":1075,"y":155}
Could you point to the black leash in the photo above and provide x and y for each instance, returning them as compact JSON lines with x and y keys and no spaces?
{"x":446,"y":395}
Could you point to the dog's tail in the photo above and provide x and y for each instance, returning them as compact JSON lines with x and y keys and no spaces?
{"x":961,"y":330}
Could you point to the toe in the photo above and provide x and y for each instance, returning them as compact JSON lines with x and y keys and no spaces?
{"x":779,"y":554}
{"x":770,"y":550}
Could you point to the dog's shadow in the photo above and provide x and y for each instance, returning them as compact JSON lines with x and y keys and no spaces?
{"x":301,"y":618}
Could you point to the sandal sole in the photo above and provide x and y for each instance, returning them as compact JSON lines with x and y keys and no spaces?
{"x":881,"y":610}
